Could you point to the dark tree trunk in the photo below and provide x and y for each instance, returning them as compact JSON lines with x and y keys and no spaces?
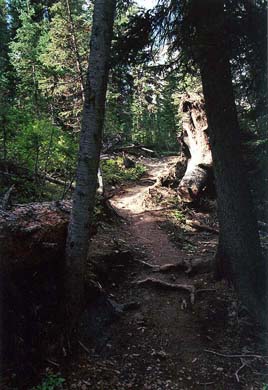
{"x":195,"y":140}
{"x":88,"y":161}
{"x":239,"y":256}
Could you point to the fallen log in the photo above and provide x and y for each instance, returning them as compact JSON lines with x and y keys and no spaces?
{"x":195,"y":145}
{"x":32,"y":234}
{"x":35,"y":233}
{"x":135,"y":149}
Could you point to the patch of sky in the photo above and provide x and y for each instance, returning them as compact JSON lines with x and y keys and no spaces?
{"x":147,"y":4}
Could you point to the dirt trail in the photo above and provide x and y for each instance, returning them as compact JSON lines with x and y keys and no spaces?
{"x":143,"y":221}
{"x":146,"y":336}
{"x":131,"y":202}
{"x":161,"y":343}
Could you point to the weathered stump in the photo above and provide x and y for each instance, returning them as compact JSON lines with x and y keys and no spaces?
{"x":195,"y":145}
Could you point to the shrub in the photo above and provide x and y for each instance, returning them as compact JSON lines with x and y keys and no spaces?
{"x":114,"y":171}
{"x":50,"y":382}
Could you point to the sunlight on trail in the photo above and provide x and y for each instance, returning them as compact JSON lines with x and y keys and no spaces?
{"x":132,"y":201}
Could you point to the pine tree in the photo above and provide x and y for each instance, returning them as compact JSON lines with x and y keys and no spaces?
{"x":5,"y":82}
{"x":24,"y":57}
{"x":239,"y":256}
{"x":64,"y":60}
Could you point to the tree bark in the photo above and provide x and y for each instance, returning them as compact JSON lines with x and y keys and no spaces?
{"x":195,"y":139}
{"x":239,"y":256}
{"x":88,"y":162}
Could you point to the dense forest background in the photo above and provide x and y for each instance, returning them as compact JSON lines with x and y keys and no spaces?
{"x":43,"y":66}
{"x":44,"y":52}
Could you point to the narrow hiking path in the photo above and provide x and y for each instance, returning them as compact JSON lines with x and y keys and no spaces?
{"x":143,"y":220}
{"x":161,"y":340}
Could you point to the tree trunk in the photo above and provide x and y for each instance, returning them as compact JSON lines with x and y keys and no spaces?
{"x":239,"y":256}
{"x":88,"y":162}
{"x":195,"y":139}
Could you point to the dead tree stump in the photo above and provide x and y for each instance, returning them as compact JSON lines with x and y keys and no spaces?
{"x":195,"y":145}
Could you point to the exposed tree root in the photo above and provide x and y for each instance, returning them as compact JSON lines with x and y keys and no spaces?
{"x":190,"y":267}
{"x":244,"y":364}
{"x":237,"y":355}
{"x":242,"y":357}
{"x":170,"y":286}
{"x":174,"y":286}
{"x":149,"y":265}
{"x":201,"y":227}
{"x":184,"y":265}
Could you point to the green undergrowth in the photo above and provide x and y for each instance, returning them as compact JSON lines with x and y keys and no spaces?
{"x":25,"y":191}
{"x":50,"y":382}
{"x":175,"y":226}
{"x":114,"y":172}
{"x":178,"y":215}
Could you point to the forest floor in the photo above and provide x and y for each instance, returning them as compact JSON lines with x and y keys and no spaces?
{"x":152,"y":335}
{"x":163,"y":341}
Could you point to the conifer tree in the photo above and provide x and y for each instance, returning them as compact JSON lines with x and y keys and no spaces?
{"x":64,"y":60}
{"x":5,"y":82}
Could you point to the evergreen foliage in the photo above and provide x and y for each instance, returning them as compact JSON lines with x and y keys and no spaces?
{"x":43,"y":61}
{"x":114,"y":171}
